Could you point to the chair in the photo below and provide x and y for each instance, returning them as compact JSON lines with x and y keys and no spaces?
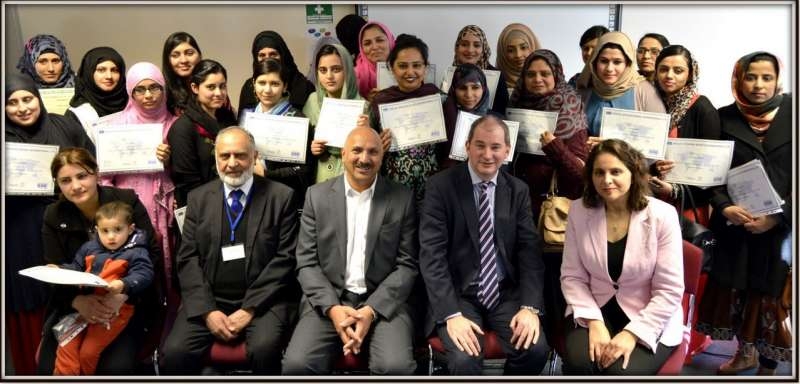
{"x":692,"y":265}
{"x":491,"y":348}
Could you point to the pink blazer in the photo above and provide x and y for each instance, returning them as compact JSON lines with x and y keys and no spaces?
{"x":650,"y":287}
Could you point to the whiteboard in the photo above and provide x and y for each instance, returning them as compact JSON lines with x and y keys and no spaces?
{"x":557,"y":26}
{"x":718,"y":35}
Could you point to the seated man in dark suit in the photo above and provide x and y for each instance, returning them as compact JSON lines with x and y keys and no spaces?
{"x":480,"y":257}
{"x":357,"y":264}
{"x":236,"y":264}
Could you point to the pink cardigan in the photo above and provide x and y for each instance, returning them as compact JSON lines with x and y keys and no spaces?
{"x":650,"y":286}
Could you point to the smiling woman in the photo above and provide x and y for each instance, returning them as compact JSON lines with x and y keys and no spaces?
{"x":45,"y":60}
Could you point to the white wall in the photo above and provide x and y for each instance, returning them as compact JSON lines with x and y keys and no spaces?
{"x":718,"y":35}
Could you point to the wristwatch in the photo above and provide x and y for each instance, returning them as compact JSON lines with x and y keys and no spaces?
{"x":532,"y":309}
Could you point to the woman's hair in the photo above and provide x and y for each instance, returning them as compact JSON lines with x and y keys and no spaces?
{"x":677,"y":50}
{"x":592,"y":33}
{"x":271,"y":66}
{"x":115,"y":209}
{"x":203,"y":69}
{"x":177,"y":91}
{"x":628,"y":60}
{"x":73,"y":156}
{"x":765,"y":57}
{"x":657,"y":36}
{"x":405,"y":41}
{"x":632,"y":159}
{"x":326,"y":49}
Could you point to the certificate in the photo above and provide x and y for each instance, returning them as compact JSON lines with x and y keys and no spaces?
{"x":180,"y":217}
{"x":414,"y":121}
{"x":28,"y":169}
{"x":531,"y":126}
{"x":749,"y":188}
{"x":63,"y":276}
{"x":458,"y":150}
{"x":56,"y":100}
{"x":128,"y":148}
{"x":645,"y":131}
{"x":386,"y":78}
{"x":492,"y":79}
{"x":337,"y":118}
{"x":279,"y":138}
{"x":703,"y":163}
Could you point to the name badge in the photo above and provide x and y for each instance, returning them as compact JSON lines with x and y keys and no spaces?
{"x":233,"y":252}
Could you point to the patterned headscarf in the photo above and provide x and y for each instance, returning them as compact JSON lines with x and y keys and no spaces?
{"x":366,"y":71}
{"x":511,"y":31}
{"x":758,"y":115}
{"x":630,"y":76}
{"x":38,"y":45}
{"x":87,"y":91}
{"x":564,"y":99}
{"x":679,"y":102}
{"x":483,"y":62}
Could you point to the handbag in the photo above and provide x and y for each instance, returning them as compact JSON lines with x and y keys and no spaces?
{"x":695,"y":232}
{"x":553,"y":219}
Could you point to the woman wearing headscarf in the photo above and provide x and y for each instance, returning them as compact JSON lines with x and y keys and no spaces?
{"x":148,"y":105}
{"x":515,"y":43}
{"x":312,"y":68}
{"x":375,"y":42}
{"x":99,"y":88}
{"x":336,"y":79}
{"x":749,"y":290}
{"x":270,"y":44}
{"x":472,"y":47}
{"x":587,"y":44}
{"x":610,"y":79}
{"x":542,"y":87}
{"x":347,"y":30}
{"x":469,"y":93}
{"x":45,"y":60}
{"x":27,"y":121}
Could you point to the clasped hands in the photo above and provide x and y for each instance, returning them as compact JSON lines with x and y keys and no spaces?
{"x":227,"y":328}
{"x":604,"y":350}
{"x":524,"y":326}
{"x":352,"y":325}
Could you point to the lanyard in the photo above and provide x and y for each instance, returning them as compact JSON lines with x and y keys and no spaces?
{"x":235,"y":223}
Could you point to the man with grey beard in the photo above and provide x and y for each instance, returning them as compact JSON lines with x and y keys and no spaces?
{"x":236,"y":264}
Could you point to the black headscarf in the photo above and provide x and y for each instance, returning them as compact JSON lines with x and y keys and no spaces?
{"x":347,"y":31}
{"x":87,"y":91}
{"x":299,"y":87}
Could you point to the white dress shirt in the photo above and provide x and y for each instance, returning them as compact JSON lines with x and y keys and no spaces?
{"x":359,"y":205}
{"x":244,"y":188}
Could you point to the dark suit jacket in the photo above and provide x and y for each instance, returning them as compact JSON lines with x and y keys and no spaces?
{"x":269,"y":248}
{"x":449,"y":252}
{"x":391,"y":249}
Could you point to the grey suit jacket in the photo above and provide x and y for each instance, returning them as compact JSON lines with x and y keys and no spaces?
{"x":269,"y":249}
{"x":391,"y":249}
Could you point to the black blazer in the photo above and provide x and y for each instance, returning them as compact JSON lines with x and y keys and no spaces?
{"x":269,"y":249}
{"x":449,"y":250}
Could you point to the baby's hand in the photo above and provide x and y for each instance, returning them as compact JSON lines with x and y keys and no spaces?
{"x":116,"y":286}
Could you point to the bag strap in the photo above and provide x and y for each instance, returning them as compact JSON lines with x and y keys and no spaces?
{"x":685,"y":191}
{"x":553,"y":185}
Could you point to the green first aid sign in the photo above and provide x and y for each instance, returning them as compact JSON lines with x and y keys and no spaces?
{"x":319,"y":14}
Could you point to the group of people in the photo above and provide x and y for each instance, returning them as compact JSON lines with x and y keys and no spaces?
{"x":365,"y":251}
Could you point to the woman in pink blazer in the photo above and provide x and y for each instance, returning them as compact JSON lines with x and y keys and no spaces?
{"x":622,"y":271}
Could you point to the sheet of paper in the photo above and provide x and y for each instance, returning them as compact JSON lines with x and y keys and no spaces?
{"x":750,"y":188}
{"x":63,"y":276}
{"x":531,"y":126}
{"x":492,"y":78}
{"x":27,"y":169}
{"x":56,"y":100}
{"x":386,"y":78}
{"x":414,"y":121}
{"x":645,"y":131}
{"x":128,"y":148}
{"x":703,"y":163}
{"x":458,"y":150}
{"x":279,"y":138}
{"x":180,"y":216}
{"x":337,"y":118}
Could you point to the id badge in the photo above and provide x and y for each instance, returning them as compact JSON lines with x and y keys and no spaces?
{"x":233,"y":252}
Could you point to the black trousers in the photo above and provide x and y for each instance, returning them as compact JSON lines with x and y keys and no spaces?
{"x":189,"y":340}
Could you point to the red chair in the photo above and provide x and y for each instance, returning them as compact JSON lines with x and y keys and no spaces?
{"x":491,"y":348}
{"x":692,"y":265}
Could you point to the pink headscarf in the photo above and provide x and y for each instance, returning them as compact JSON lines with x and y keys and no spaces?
{"x":133,"y":114}
{"x":366,"y":72}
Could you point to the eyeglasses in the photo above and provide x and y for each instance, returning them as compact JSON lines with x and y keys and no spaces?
{"x":653,"y":51}
{"x":154,"y":89}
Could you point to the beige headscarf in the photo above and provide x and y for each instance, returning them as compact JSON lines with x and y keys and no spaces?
{"x":630,"y":77}
{"x":514,"y":30}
